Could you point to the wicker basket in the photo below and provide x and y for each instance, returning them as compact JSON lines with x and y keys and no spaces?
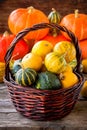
{"x":43,"y":104}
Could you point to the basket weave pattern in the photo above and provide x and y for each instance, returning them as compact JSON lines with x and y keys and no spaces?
{"x":43,"y":104}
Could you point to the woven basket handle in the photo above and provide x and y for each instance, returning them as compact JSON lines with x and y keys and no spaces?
{"x":36,"y":27}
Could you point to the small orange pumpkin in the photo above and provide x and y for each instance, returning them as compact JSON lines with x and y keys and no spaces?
{"x":77,"y":23}
{"x":26,"y":17}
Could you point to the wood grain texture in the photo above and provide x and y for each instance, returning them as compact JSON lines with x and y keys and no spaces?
{"x":64,"y":7}
{"x":10,"y":119}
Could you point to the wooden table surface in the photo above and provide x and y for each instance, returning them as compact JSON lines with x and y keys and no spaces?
{"x":10,"y":119}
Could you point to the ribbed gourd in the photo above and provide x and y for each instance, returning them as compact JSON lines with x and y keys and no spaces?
{"x":16,"y":66}
{"x":54,"y":17}
{"x":66,"y":48}
{"x":25,"y":77}
{"x":47,"y":81}
{"x":55,"y":63}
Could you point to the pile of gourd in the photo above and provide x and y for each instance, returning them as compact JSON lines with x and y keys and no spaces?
{"x":47,"y":67}
{"x":49,"y":61}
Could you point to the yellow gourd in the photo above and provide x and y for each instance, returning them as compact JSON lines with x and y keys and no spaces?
{"x":32,"y":61}
{"x":68,"y":68}
{"x":55,"y":63}
{"x":84,"y":89}
{"x":68,"y":79}
{"x":42,"y":48}
{"x":66,"y":48}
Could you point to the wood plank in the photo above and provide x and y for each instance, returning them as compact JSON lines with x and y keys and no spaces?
{"x":11,"y":119}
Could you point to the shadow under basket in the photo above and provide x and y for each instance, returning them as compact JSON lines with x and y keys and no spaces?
{"x":43,"y":105}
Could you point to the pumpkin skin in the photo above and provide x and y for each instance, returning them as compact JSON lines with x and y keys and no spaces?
{"x":77,"y":23}
{"x":55,"y":39}
{"x":26,"y":76}
{"x":83,"y":47}
{"x":20,"y":50}
{"x":47,"y":81}
{"x":22,"y":18}
{"x":55,"y":63}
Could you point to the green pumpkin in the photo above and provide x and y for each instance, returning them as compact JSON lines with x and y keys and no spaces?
{"x":54,"y":17}
{"x":47,"y":81}
{"x":25,"y":77}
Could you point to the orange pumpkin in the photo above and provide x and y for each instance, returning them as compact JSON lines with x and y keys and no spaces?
{"x":21,"y":48}
{"x":26,"y":17}
{"x":77,"y":23}
{"x":83,"y":46}
{"x":55,"y":39}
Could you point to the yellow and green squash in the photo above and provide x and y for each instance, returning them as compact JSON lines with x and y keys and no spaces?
{"x":25,"y":77}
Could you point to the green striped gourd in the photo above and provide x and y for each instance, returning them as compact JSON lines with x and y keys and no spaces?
{"x":25,"y":77}
{"x":54,"y":17}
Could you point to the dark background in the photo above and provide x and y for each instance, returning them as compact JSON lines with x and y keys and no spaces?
{"x":63,"y":6}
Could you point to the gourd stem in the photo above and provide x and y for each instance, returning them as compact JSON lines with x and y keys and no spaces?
{"x":61,"y":76}
{"x":14,"y":56}
{"x":76,"y":13}
{"x":53,"y":10}
{"x":5,"y":34}
{"x":30,"y":9}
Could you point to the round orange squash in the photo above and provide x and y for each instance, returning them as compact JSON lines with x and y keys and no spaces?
{"x":26,"y":17}
{"x":77,"y":23}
